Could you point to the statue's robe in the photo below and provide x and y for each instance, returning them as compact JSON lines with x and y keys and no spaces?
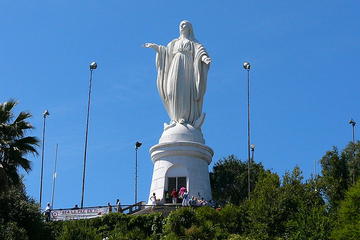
{"x":181,"y":80}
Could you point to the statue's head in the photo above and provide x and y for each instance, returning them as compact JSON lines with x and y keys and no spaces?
{"x":186,"y":29}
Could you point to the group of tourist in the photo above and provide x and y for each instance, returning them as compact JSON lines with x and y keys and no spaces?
{"x":182,"y":196}
{"x":118,"y":207}
{"x":194,"y":201}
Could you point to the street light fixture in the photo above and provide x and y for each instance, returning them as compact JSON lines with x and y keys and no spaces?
{"x":45,"y":114}
{"x":137,"y":145}
{"x":92,"y":67}
{"x":353,"y":123}
{"x":247,"y":66}
{"x":252,"y":148}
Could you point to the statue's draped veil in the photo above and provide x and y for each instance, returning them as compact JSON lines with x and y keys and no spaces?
{"x":191,"y":30}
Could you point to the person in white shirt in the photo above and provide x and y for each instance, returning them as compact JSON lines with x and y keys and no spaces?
{"x":47,"y":212}
{"x":153,"y":200}
{"x":185,"y":201}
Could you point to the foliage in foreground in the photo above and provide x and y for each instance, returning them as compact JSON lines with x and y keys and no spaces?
{"x":280,"y":208}
{"x":20,"y":217}
{"x":286,"y":208}
{"x":348,"y":221}
{"x":113,"y":226}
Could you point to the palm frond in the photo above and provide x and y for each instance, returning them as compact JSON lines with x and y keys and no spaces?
{"x":12,"y":175}
{"x":22,"y":116}
{"x":13,"y":145}
{"x":9,"y":105}
{"x":27,"y":145}
{"x":24,"y":163}
{"x":6,"y":114}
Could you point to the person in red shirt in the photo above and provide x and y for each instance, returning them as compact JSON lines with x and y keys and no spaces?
{"x":174,"y":196}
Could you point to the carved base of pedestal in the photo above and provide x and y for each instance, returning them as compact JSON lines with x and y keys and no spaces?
{"x":182,"y":133}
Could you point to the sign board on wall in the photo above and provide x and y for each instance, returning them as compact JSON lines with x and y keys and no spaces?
{"x":72,"y":214}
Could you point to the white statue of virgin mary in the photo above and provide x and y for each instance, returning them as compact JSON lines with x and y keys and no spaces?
{"x":182,"y":68}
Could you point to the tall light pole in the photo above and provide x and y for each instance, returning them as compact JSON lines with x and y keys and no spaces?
{"x":137,"y":145}
{"x":54,"y":177}
{"x":353,"y":123}
{"x":45,"y":114}
{"x":92,"y":66}
{"x":247,"y":66}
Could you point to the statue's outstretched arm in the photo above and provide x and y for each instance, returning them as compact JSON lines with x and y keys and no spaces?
{"x":153,"y":46}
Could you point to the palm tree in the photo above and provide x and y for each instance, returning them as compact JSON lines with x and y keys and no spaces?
{"x":14,"y":144}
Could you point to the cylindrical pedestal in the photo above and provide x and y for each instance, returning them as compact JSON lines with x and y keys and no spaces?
{"x":181,"y":164}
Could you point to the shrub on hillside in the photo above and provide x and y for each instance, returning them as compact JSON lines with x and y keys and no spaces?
{"x":113,"y":226}
{"x":20,"y":217}
{"x":239,"y":237}
{"x":179,"y":220}
{"x":234,"y":219}
{"x":79,"y":229}
{"x":348,"y":221}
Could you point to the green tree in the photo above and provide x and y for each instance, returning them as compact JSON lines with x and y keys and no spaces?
{"x":348,"y":220}
{"x":229,"y":179}
{"x":352,"y":155}
{"x":264,"y":208}
{"x":335,"y":176}
{"x":308,"y":217}
{"x":288,"y":209}
{"x":14,"y":144}
{"x":309,"y":223}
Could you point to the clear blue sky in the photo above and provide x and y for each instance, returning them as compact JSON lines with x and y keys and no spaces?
{"x":305,"y":76}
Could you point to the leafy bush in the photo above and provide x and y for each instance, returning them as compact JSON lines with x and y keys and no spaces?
{"x":348,"y":225}
{"x":238,"y":237}
{"x":113,"y":226}
{"x":20,"y":217}
{"x":179,"y":220}
{"x":311,"y":224}
{"x":11,"y":230}
{"x":234,"y":219}
{"x":79,"y":229}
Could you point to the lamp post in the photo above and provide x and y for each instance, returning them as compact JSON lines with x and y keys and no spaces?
{"x":54,"y":177}
{"x":353,"y":123}
{"x":45,"y":114}
{"x":137,"y":145}
{"x":92,"y":67}
{"x":247,"y":66}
